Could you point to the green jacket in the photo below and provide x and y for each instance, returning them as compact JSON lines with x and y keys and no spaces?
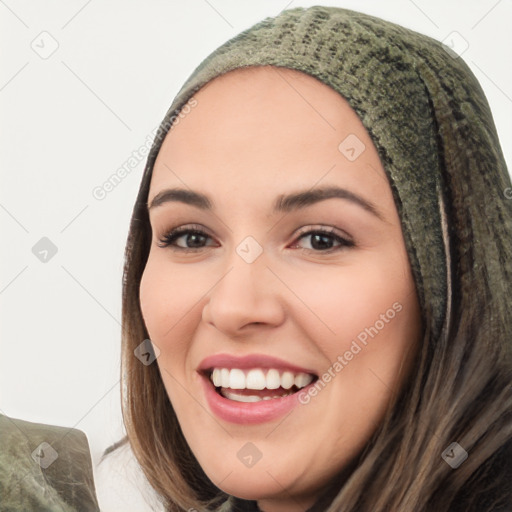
{"x":44,"y":468}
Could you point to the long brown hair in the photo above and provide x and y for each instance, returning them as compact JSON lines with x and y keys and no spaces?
{"x":460,"y":386}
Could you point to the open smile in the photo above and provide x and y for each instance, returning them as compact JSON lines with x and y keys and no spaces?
{"x":252,"y":389}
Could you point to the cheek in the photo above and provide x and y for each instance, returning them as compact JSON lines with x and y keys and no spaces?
{"x":366,"y":324}
{"x":166,"y":300}
{"x":166,"y":297}
{"x":347,"y":300}
{"x":155,"y":296}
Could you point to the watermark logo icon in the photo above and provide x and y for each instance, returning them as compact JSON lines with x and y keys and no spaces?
{"x":44,"y":250}
{"x":249,"y":249}
{"x":455,"y":44}
{"x":249,"y":454}
{"x":351,"y":147}
{"x":454,"y":455}
{"x":146,"y":352}
{"x":45,"y":45}
{"x":45,"y":455}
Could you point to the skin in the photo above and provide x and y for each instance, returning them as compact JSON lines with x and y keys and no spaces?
{"x":255,"y":134}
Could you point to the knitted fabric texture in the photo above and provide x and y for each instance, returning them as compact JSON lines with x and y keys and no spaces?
{"x":421,"y":105}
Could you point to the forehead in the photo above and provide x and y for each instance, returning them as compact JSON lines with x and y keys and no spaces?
{"x":264,"y":128}
{"x":261,"y":96}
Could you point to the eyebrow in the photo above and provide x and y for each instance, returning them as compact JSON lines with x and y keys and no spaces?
{"x":282,"y":204}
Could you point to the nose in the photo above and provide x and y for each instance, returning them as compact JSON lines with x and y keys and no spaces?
{"x":248,"y":295}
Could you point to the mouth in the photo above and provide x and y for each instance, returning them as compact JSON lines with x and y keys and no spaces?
{"x":254,"y":388}
{"x":257,"y":384}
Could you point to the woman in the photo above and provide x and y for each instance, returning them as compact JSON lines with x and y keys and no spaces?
{"x":320,"y":255}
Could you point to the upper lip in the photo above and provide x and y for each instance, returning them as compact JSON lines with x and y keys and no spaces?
{"x":249,"y":361}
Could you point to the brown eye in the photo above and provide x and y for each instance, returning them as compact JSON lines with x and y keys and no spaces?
{"x":193,"y":239}
{"x":322,"y":240}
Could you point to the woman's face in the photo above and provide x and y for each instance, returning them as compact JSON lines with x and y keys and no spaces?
{"x":277,"y":288}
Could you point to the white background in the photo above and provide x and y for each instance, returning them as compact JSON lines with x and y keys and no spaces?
{"x":69,"y":121}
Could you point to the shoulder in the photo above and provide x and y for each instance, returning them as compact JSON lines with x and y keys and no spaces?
{"x":122,"y":485}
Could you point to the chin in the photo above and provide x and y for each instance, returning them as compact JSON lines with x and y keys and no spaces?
{"x":252,"y":488}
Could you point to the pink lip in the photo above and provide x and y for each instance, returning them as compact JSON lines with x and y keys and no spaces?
{"x":249,"y":361}
{"x":246,"y":413}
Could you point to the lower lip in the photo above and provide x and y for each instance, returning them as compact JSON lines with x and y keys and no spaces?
{"x":246,"y":413}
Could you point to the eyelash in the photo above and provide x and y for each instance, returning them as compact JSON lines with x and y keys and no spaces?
{"x":170,"y":237}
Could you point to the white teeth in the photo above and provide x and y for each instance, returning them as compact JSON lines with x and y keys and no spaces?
{"x":240,"y":398}
{"x":303,"y":379}
{"x":250,"y":398}
{"x":216,"y":377}
{"x":256,"y":379}
{"x":224,"y":378}
{"x":287,"y":380}
{"x":273,"y":379}
{"x":237,"y":379}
